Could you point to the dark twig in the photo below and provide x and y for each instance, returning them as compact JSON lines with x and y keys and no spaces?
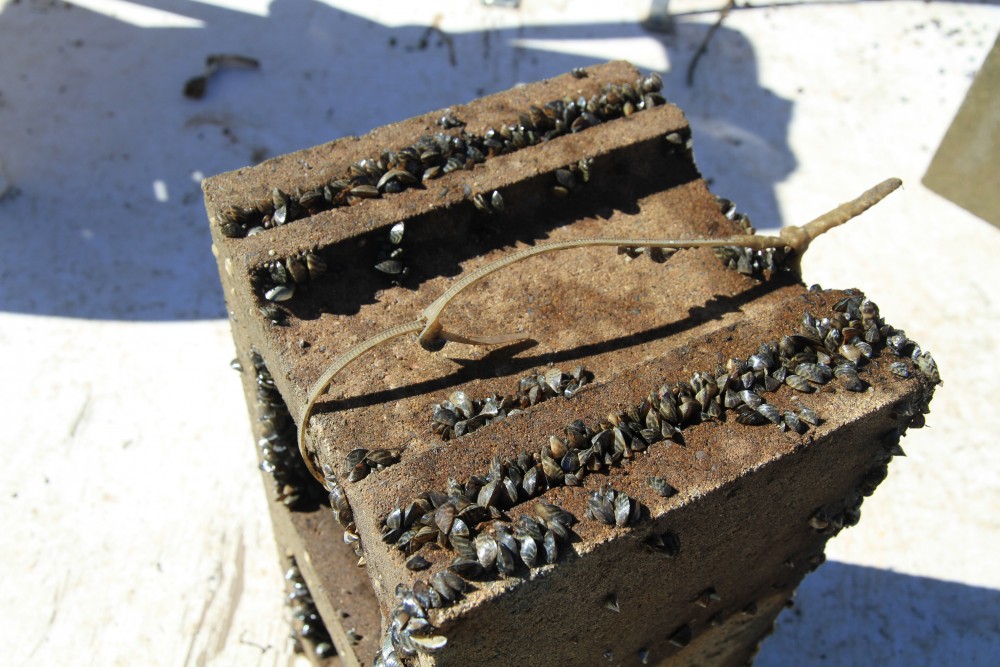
{"x":703,"y":47}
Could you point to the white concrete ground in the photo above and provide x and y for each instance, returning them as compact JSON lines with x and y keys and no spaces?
{"x":134,"y":522}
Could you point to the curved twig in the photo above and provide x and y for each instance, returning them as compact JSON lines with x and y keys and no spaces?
{"x":324,"y":381}
{"x":433,"y":336}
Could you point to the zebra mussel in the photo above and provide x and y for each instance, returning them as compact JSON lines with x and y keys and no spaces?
{"x":747,"y":261}
{"x":613,"y":508}
{"x":682,"y":636}
{"x":452,"y":520}
{"x":277,"y":279}
{"x":342,"y":512}
{"x":488,"y":203}
{"x":667,"y":543}
{"x":570,"y":179}
{"x":307,"y":625}
{"x":707,"y":597}
{"x":293,"y":486}
{"x":432,"y":156}
{"x":359,"y":462}
{"x":391,"y":257}
{"x":460,"y":414}
{"x":661,"y":486}
{"x":531,"y":541}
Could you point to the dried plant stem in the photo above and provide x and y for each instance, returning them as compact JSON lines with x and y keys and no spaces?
{"x":848,"y":210}
{"x":433,"y":335}
{"x":703,"y":47}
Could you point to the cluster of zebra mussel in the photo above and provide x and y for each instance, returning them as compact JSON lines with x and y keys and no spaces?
{"x":391,"y":258}
{"x":569,"y":180}
{"x":531,"y":541}
{"x":410,"y":631}
{"x":277,"y":279}
{"x":343,"y":513}
{"x":360,"y":462}
{"x":825,"y":349}
{"x":307,"y":625}
{"x":832,"y":518}
{"x":459,"y":414}
{"x":451,"y":520}
{"x":613,"y":508}
{"x":293,"y":485}
{"x":433,"y":156}
{"x":923,"y":362}
{"x":747,"y":261}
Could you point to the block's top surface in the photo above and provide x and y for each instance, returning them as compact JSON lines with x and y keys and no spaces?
{"x":632,"y":324}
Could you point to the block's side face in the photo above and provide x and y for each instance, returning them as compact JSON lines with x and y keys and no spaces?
{"x":306,"y":532}
{"x":743,"y":550}
{"x":754,"y":508}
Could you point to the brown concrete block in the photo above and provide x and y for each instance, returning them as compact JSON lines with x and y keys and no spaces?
{"x":695,"y":577}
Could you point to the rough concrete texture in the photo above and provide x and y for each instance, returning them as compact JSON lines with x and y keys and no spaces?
{"x":748,"y":496}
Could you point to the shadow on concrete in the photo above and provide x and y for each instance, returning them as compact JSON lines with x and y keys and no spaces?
{"x":104,"y":153}
{"x":856,"y":615}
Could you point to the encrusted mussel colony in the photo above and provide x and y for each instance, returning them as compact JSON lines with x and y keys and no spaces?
{"x":343,"y":513}
{"x":360,"y":462}
{"x":914,"y":362}
{"x":293,"y":485}
{"x":472,"y":518}
{"x":531,"y":540}
{"x":433,"y":156}
{"x":307,"y":625}
{"x":613,"y":507}
{"x":460,"y":414}
{"x":428,"y":158}
{"x":748,"y":261}
{"x":833,"y":517}
{"x":277,"y":279}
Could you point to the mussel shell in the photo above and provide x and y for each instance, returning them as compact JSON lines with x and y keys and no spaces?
{"x":486,"y":550}
{"x":623,"y":509}
{"x":529,"y":552}
{"x":280,"y":293}
{"x":661,"y":487}
{"x":467,"y":567}
{"x":417,"y":563}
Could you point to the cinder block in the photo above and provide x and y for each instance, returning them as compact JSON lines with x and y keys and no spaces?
{"x":698,"y":563}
